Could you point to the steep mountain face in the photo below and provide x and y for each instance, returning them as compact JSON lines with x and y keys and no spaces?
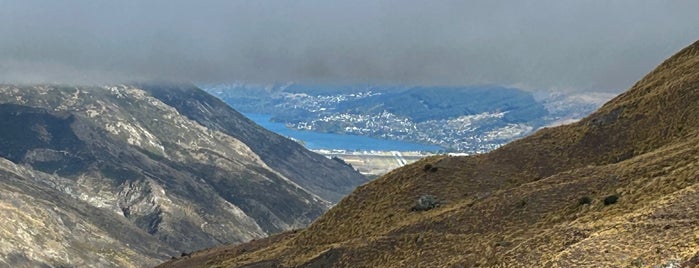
{"x":114,"y":176}
{"x":44,"y":227}
{"x":616,"y":189}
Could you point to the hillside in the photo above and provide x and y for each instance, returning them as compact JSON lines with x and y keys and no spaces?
{"x":312,"y":171}
{"x":619,"y":188}
{"x":132,"y":175}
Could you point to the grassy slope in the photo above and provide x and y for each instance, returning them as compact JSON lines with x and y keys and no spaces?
{"x":519,"y":205}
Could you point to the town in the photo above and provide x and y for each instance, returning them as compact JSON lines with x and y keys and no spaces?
{"x":471,"y":134}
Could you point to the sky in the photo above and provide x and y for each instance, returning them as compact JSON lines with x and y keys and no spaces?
{"x":544,"y":44}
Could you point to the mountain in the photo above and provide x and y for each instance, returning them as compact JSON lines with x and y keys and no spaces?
{"x":322,"y":177}
{"x":616,"y":189}
{"x":566,"y":108}
{"x":430,"y":103}
{"x":130,"y":175}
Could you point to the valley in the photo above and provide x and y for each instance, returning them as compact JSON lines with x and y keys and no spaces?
{"x":618,"y":188}
{"x":370,"y":156}
{"x":332,"y":119}
{"x":349,"y":134}
{"x":472,"y":120}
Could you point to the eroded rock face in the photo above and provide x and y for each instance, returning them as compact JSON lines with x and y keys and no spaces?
{"x":43,"y":226}
{"x":160,"y":179}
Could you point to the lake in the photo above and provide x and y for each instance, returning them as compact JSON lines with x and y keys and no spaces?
{"x":316,"y":140}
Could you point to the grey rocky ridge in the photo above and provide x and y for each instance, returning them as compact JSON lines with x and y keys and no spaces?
{"x":129,"y":175}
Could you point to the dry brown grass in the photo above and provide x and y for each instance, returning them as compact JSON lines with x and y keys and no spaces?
{"x":519,"y":205}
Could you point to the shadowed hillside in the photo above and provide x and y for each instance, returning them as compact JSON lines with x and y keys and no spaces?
{"x":617,"y":189}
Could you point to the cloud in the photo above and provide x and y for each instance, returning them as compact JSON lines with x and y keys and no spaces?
{"x":570,"y":45}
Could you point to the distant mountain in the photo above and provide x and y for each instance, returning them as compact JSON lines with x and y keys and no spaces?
{"x":130,"y":175}
{"x":564,"y":108}
{"x":472,"y":119}
{"x":616,"y":189}
{"x":433,"y":103}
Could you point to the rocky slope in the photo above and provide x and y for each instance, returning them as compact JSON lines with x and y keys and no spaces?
{"x":619,"y":188}
{"x":288,"y":158}
{"x":131,"y":175}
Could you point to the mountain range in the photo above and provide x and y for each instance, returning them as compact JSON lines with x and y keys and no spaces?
{"x":131,"y":175}
{"x":619,"y":188}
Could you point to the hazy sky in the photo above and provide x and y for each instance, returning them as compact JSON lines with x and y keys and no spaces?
{"x":567,"y":45}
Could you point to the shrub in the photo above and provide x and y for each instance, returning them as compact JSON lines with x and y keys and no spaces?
{"x":612,"y":199}
{"x":429,"y":168}
{"x":585,"y":200}
{"x":503,"y":243}
{"x":426,"y":202}
{"x":638,"y":262}
{"x":522,"y":203}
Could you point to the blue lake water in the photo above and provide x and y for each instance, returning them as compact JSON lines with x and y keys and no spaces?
{"x":316,"y":140}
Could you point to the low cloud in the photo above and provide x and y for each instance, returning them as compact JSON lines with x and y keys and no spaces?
{"x":565,"y":45}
